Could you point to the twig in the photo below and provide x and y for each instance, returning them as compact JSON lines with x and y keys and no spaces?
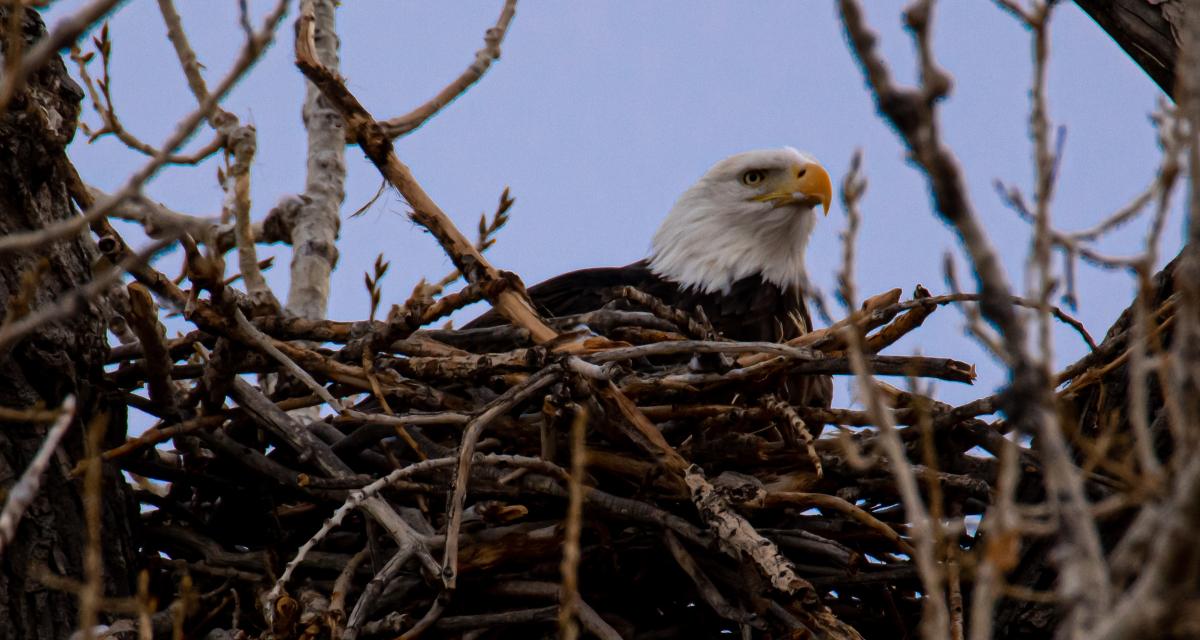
{"x":708,"y":591}
{"x":870,"y":316}
{"x":835,"y":503}
{"x":796,"y":432}
{"x":255,"y":337}
{"x":936,"y":614}
{"x":183,"y":49}
{"x":934,"y":620}
{"x":587,"y":615}
{"x":569,"y":599}
{"x":484,"y":240}
{"x":143,"y":318}
{"x":65,"y":31}
{"x":157,"y":219}
{"x":92,"y":591}
{"x":368,"y":135}
{"x":426,"y":621}
{"x":25,"y":490}
{"x":954,"y":580}
{"x":917,"y":366}
{"x":9,"y":414}
{"x":70,"y":301}
{"x":975,"y":325}
{"x":366,"y":601}
{"x":490,"y":52}
{"x":356,"y":500}
{"x":618,"y":354}
{"x":1027,"y":400}
{"x":154,"y":436}
{"x":183,"y":130}
{"x":510,"y":301}
{"x":679,"y":317}
{"x":1002,"y":527}
{"x":466,"y":451}
{"x":241,"y":143}
{"x":102,"y":101}
{"x":912,"y":112}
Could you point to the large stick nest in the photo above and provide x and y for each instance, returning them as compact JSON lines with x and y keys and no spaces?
{"x":724,"y":516}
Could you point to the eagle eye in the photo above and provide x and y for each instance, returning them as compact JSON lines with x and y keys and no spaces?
{"x":754,"y":177}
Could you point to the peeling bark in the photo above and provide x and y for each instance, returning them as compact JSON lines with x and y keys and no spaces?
{"x":315,"y":227}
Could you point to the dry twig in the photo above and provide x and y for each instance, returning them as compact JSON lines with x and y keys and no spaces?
{"x":21,"y":495}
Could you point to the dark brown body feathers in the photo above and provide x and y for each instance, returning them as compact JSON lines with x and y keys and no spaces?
{"x":753,"y":310}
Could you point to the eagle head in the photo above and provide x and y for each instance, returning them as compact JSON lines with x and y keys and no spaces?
{"x":751,"y":213}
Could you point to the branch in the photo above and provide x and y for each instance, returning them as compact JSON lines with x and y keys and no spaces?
{"x":398,"y":126}
{"x":314,"y":232}
{"x":183,"y":130}
{"x":65,"y":31}
{"x":143,"y":318}
{"x":69,"y":302}
{"x":25,"y":490}
{"x":102,"y":102}
{"x":512,"y":304}
{"x":1028,"y":400}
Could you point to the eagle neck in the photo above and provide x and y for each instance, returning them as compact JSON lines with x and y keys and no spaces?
{"x":708,"y":251}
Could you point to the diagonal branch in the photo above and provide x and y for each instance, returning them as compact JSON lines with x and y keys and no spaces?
{"x":22,"y":494}
{"x":183,"y":130}
{"x":62,"y":35}
{"x":400,"y":125}
{"x":508,"y":298}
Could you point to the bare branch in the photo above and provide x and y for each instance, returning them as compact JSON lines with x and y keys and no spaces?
{"x":398,"y":126}
{"x":64,"y":32}
{"x":183,"y":130}
{"x":570,"y":600}
{"x":25,"y":490}
{"x":317,"y":220}
{"x":71,"y":301}
{"x":1027,"y":399}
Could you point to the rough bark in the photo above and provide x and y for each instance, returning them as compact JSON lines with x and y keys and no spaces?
{"x":56,"y":360}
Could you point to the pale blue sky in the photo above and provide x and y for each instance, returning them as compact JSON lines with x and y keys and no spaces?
{"x":600,"y":113}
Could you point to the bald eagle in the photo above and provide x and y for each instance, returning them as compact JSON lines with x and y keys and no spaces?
{"x":733,"y":244}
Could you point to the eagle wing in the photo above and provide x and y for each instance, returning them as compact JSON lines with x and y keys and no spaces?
{"x":586,"y":290}
{"x":752,"y":310}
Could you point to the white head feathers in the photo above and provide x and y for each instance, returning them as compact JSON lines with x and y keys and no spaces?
{"x":750,"y":213}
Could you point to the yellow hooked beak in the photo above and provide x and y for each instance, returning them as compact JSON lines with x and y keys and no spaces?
{"x":807,"y":184}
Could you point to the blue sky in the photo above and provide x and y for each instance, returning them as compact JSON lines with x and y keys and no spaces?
{"x":600,"y":113}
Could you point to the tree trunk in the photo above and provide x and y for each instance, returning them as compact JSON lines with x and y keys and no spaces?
{"x":58,"y":359}
{"x":1148,"y":30}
